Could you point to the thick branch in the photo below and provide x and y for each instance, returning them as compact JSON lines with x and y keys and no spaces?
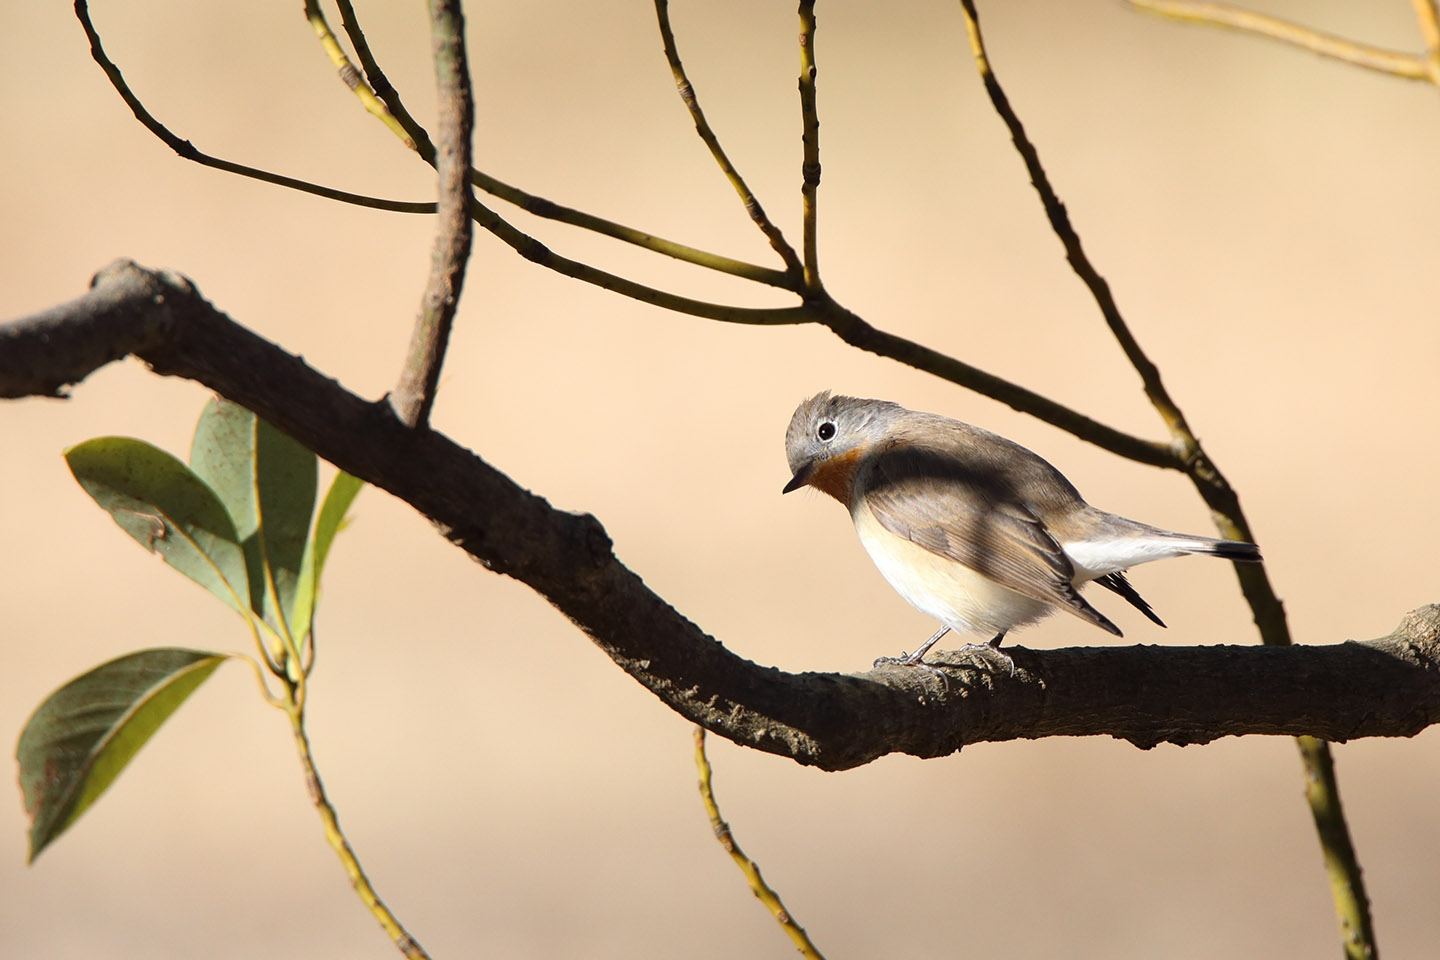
{"x":1146,"y":695}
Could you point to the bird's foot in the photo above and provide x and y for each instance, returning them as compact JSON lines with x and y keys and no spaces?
{"x":914,"y":660}
{"x":991,"y":650}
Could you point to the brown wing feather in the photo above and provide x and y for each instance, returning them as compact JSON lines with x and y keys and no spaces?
{"x":957,"y":510}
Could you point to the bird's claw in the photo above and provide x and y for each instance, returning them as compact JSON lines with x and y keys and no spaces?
{"x":910,"y":660}
{"x":986,"y":650}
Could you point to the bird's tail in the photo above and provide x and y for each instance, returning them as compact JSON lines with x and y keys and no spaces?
{"x":1128,"y":543}
{"x":1225,"y":549}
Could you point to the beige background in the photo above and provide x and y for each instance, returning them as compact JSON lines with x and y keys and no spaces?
{"x":1267,"y":220}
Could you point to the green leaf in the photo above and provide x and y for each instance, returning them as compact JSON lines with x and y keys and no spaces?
{"x":83,"y":735}
{"x":342,"y":493}
{"x":167,"y":509}
{"x":267,"y":481}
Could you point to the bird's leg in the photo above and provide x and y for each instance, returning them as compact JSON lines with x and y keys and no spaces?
{"x":993,"y":648}
{"x":913,"y":659}
{"x":916,"y":659}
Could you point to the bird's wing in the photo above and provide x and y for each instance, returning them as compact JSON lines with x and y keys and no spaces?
{"x":956,"y":510}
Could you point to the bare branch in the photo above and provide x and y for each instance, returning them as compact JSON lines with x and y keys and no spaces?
{"x":1322,"y":790}
{"x":1427,"y":12}
{"x":419,"y":140}
{"x":707,"y":135}
{"x":810,"y":146}
{"x":349,"y":75}
{"x":187,"y":150}
{"x":817,"y":308}
{"x":1146,"y":695}
{"x":549,"y":210}
{"x":415,"y":394}
{"x":856,"y":332}
{"x":1211,"y":484}
{"x":1393,"y":62}
{"x":726,"y":838}
{"x":1074,"y":251}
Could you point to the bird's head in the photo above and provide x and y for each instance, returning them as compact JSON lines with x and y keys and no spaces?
{"x":827,"y":437}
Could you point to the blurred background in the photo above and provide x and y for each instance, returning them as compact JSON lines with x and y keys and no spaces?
{"x":1267,"y":220}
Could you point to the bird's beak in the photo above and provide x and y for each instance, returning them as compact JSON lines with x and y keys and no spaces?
{"x":802,"y":477}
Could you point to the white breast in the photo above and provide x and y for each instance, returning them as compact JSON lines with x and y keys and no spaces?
{"x":942,"y":588}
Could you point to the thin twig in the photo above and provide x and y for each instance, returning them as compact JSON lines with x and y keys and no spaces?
{"x":549,"y":210}
{"x":415,"y":394}
{"x":1074,"y":251}
{"x":858,"y":333}
{"x":1347,"y":884}
{"x":707,"y":135}
{"x":810,"y":145}
{"x":349,"y":75}
{"x":341,"y":845}
{"x":763,"y":891}
{"x":414,"y":135}
{"x":817,"y":308}
{"x":419,"y":140}
{"x":1393,"y":62}
{"x":1427,"y":12}
{"x":1342,"y":864}
{"x":1224,"y":503}
{"x":187,"y":151}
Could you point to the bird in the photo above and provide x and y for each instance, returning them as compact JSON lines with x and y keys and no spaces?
{"x":972,"y":529}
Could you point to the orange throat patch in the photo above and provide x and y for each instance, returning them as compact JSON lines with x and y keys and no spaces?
{"x":836,"y":476}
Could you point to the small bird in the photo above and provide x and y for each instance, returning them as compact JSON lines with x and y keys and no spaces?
{"x":972,"y":529}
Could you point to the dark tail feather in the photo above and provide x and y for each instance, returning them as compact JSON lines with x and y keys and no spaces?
{"x":1211,"y":547}
{"x":1235,"y":550}
{"x":1116,"y":583}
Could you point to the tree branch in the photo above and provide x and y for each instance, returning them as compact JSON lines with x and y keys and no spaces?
{"x":415,"y":137}
{"x":1394,"y":62}
{"x":707,"y":135}
{"x":1146,"y":695}
{"x":1322,"y":789}
{"x":816,"y":307}
{"x":415,"y":393}
{"x":810,"y":147}
{"x":187,"y":150}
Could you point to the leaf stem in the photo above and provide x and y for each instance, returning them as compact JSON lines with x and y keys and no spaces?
{"x":270,"y":698}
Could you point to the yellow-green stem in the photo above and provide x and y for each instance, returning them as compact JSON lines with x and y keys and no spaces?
{"x":1393,"y":62}
{"x":726,"y":839}
{"x":336,"y":838}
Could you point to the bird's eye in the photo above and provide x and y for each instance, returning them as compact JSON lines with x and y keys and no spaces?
{"x":826,"y":430}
